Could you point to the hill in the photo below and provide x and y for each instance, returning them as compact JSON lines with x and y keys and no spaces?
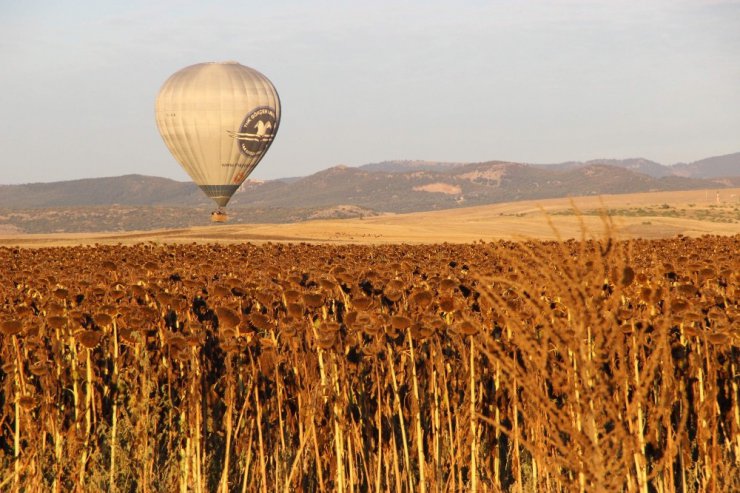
{"x":136,"y":202}
{"x":713,"y":167}
{"x":120,"y":190}
{"x":638,"y":165}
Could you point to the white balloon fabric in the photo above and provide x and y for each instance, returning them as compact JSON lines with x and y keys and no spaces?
{"x":218,"y":120}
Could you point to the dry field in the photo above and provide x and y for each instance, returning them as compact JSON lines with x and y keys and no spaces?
{"x":646,"y":215}
{"x":593,"y":365}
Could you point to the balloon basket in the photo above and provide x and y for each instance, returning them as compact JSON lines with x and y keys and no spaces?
{"x":219,"y":217}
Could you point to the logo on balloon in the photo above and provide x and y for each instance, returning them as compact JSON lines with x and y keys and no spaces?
{"x":256,"y":132}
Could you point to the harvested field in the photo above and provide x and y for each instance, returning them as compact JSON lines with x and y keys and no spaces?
{"x":640,"y":215}
{"x":595,"y":365}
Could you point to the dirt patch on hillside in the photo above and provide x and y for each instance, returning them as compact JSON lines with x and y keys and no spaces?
{"x":445,"y":188}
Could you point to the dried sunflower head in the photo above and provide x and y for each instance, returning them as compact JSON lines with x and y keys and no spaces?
{"x":11,"y":327}
{"x":227,"y":318}
{"x":89,"y":338}
{"x":313,"y":300}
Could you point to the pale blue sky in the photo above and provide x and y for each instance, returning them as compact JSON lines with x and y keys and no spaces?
{"x":361,"y":82}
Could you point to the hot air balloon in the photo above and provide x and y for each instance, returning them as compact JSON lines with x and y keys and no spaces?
{"x":218,"y":120}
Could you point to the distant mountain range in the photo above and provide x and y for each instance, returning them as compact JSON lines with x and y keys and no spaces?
{"x":341,"y":191}
{"x":713,"y":167}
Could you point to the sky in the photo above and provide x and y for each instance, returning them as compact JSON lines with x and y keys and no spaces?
{"x":362,"y":82}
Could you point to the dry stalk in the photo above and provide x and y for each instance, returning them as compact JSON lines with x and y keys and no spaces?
{"x":417,"y":416}
{"x":319,"y":468}
{"x":17,"y":437}
{"x":436,"y":431}
{"x":88,"y":417}
{"x":298,"y":457}
{"x":247,"y":461}
{"x":229,"y":424}
{"x":379,"y":426}
{"x":114,"y":415}
{"x":399,"y":410}
{"x":473,"y":423}
{"x":263,"y":465}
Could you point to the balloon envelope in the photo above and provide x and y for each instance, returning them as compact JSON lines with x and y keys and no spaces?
{"x":218,"y":120}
